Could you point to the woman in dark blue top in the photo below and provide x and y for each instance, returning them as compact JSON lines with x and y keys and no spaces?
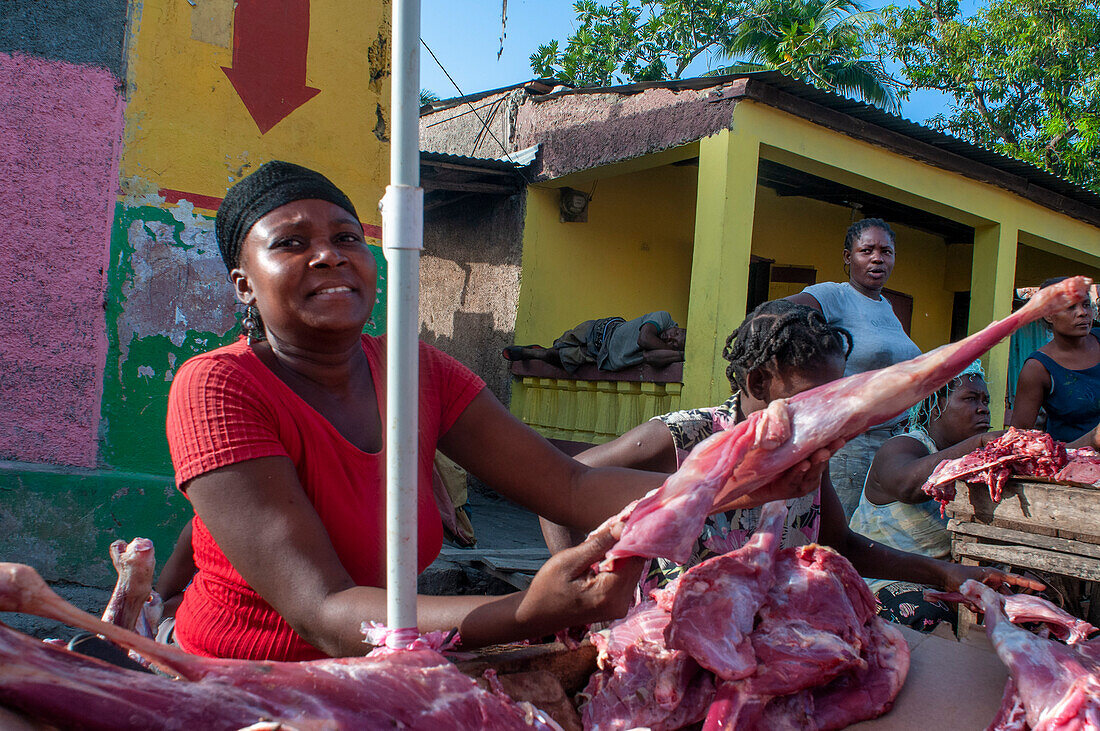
{"x":1063,"y":376}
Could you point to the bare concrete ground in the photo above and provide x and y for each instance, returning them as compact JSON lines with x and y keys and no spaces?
{"x":498,"y":524}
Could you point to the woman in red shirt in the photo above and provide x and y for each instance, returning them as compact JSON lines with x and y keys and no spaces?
{"x":277,"y":440}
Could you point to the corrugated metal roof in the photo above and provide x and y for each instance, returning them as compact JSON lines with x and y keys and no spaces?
{"x":519,"y":160}
{"x":870,"y":114}
{"x":523,"y":157}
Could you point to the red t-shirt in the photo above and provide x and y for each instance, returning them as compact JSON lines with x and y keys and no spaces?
{"x":225,"y":407}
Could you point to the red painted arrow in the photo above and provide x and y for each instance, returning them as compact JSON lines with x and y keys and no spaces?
{"x":270,"y":38}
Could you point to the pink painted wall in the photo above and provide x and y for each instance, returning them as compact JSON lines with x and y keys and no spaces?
{"x":60,"y":136}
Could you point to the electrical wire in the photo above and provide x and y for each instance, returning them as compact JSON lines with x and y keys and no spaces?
{"x":485,"y":127}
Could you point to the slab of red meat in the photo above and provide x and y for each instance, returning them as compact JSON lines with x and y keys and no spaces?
{"x":812,"y":644}
{"x":817,"y":642}
{"x":1023,"y":452}
{"x":642,"y":682}
{"x":732,"y":586}
{"x":1011,"y":716}
{"x":814,"y":624}
{"x":737,"y":461}
{"x":1083,"y":467}
{"x":860,"y":694}
{"x":1022,"y":608}
{"x":413,"y":689}
{"x":1057,"y":685}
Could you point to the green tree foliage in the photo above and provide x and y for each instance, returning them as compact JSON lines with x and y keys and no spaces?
{"x":824,"y":42}
{"x":637,"y":40}
{"x":1024,"y":74}
{"x":821,"y":41}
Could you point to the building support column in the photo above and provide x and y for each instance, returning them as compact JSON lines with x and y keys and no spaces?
{"x":992,"y":284}
{"x":724,"y":211}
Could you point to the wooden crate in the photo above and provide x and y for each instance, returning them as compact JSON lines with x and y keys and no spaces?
{"x":1040,"y":525}
{"x":1032,"y":506}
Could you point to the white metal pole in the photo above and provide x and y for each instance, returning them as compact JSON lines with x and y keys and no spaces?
{"x":402,"y":241}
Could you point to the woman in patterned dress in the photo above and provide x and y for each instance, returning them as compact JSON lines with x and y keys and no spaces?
{"x":781,"y":349}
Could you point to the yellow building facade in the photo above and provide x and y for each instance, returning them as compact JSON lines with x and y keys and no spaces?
{"x":677,"y":228}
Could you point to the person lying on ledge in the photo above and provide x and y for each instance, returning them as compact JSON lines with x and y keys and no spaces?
{"x":612,"y":343}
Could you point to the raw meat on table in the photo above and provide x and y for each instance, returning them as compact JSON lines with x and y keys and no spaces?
{"x":642,"y":679}
{"x":135,"y":563}
{"x":1023,"y":452}
{"x":414,"y":689}
{"x":1051,"y":686}
{"x":755,"y":452}
{"x":792,"y":635}
{"x":732,"y":586}
{"x":1083,"y":467}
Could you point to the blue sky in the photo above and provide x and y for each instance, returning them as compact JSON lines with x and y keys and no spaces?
{"x":465,"y":36}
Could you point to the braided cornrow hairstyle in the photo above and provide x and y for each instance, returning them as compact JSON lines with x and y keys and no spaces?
{"x":856,"y":230}
{"x":783,"y":332}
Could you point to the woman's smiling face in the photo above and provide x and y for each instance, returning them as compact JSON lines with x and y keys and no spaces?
{"x":307,"y":267}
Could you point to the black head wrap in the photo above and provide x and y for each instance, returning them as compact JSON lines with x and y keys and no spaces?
{"x":274,"y":184}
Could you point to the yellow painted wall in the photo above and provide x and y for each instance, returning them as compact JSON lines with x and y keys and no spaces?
{"x":999,"y":216}
{"x":633,"y":255}
{"x":799,"y":231}
{"x":567,"y":267}
{"x":187,"y":128}
{"x":1034,"y":265}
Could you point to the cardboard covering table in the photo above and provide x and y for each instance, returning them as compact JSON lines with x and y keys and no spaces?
{"x":952,"y":686}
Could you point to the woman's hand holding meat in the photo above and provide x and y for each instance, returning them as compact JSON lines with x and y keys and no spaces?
{"x":567,"y":591}
{"x":801,"y":479}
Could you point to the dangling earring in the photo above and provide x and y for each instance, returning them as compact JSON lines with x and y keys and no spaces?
{"x":253,"y":330}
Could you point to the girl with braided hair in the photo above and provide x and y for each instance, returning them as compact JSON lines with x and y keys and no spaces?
{"x":780,"y":350}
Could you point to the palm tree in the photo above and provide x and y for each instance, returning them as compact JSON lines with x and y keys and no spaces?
{"x":427,"y":96}
{"x":822,"y":42}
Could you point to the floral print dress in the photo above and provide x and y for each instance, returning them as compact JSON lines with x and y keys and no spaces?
{"x":725,"y":532}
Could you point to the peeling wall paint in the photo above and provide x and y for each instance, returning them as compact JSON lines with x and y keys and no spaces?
{"x":59,"y":137}
{"x":177,"y":280}
{"x":168,"y":299}
{"x":108,"y":286}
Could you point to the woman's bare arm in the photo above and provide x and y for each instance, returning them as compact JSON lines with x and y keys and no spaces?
{"x":520,"y":464}
{"x":648,"y":446}
{"x":802,"y":298}
{"x":263,"y":521}
{"x":1031,"y":389}
{"x":901,"y":467}
{"x":177,"y":572}
{"x":878,"y":561}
